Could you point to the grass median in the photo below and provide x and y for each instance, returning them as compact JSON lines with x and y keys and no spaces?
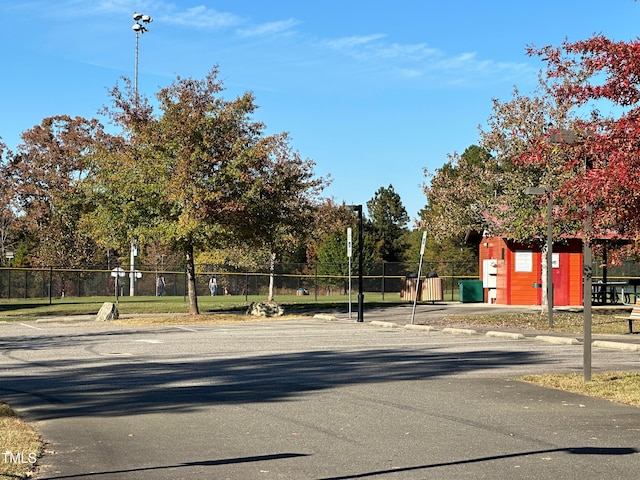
{"x":20,"y":446}
{"x":621,"y":387}
{"x":30,"y":309}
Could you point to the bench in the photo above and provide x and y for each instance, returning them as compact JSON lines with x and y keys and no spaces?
{"x":634,"y":315}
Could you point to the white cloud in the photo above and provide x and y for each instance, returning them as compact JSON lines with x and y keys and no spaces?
{"x":350,"y":43}
{"x":415,"y":60}
{"x":408,"y":73}
{"x":270,"y":28}
{"x":198,"y":17}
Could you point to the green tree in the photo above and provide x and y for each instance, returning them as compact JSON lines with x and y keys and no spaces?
{"x":187,"y":176}
{"x":484,"y":189}
{"x":388,"y":221}
{"x":329,"y":219}
{"x":282,"y":202}
{"x":600,"y":148}
{"x":7,"y":215}
{"x":333,"y":264}
{"x":46,"y":175}
{"x":331,"y":247}
{"x":460,"y":193}
{"x":439,"y":255}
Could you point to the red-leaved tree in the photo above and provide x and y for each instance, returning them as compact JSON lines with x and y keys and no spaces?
{"x":600,"y":80}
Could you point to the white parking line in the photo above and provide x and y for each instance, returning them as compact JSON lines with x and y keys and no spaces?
{"x":30,"y":326}
{"x":187,"y":329}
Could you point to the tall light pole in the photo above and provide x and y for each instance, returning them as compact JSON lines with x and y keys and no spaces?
{"x":549,"y":261}
{"x":138,"y":27}
{"x":569,"y":137}
{"x":358,"y":208}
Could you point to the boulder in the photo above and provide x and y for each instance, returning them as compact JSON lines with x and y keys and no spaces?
{"x":108,"y":311}
{"x":265,"y":309}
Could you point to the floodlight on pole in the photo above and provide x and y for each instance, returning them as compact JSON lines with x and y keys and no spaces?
{"x":138,"y":27}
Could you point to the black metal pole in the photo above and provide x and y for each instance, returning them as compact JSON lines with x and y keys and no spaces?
{"x":587,"y":274}
{"x":360,"y":262}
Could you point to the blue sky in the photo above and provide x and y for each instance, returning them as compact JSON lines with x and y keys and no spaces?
{"x":373,"y":91}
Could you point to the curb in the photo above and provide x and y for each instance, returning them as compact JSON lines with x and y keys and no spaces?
{"x":378,"y":323}
{"x":459,"y":331}
{"x":324,"y":316}
{"x":558,"y":340}
{"x":631,"y":347}
{"x":65,"y":320}
{"x":512,"y":336}
{"x":425,"y":328}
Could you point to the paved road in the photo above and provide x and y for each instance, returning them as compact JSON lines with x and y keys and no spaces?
{"x":309,"y":399}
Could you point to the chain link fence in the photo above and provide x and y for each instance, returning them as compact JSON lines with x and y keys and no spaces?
{"x":289,"y":279}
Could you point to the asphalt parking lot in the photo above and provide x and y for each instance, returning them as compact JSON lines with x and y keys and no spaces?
{"x":309,"y":399}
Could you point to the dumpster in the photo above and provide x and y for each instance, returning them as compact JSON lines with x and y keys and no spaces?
{"x":471,"y":291}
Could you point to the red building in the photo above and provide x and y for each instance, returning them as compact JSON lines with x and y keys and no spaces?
{"x":512,"y":272}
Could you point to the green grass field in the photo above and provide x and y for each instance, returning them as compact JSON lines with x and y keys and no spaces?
{"x":31,"y":309}
{"x":37,"y":308}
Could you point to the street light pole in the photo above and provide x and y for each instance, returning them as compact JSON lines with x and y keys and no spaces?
{"x":587,"y":275}
{"x":568,"y":137}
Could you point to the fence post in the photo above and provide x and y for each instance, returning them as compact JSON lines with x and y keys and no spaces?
{"x":316,"y":283}
{"x":383,"y":281}
{"x":246,"y":286}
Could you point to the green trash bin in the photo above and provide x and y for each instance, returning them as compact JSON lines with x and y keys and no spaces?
{"x":471,"y":291}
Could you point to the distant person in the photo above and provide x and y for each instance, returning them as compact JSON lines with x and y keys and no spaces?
{"x":160,"y":283}
{"x":213,"y":285}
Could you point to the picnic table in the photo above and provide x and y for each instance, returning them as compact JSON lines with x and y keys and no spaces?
{"x":608,"y":293}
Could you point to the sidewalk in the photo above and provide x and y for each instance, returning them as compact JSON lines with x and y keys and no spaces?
{"x":434,"y":317}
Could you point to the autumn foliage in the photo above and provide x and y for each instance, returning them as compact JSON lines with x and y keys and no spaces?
{"x":577,"y":136}
{"x":599,"y":79}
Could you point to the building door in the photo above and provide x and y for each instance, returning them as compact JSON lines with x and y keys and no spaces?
{"x":561,"y":276}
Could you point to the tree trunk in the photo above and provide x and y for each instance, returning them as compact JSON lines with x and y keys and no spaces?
{"x":272,"y":267}
{"x":191,"y":281}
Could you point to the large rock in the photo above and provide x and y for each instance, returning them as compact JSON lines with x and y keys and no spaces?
{"x":265,"y":309}
{"x":108,"y":311}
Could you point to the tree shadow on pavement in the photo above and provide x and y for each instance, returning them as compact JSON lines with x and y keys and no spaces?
{"x":129,"y":385}
{"x":205,"y":463}
{"x":574,"y":451}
